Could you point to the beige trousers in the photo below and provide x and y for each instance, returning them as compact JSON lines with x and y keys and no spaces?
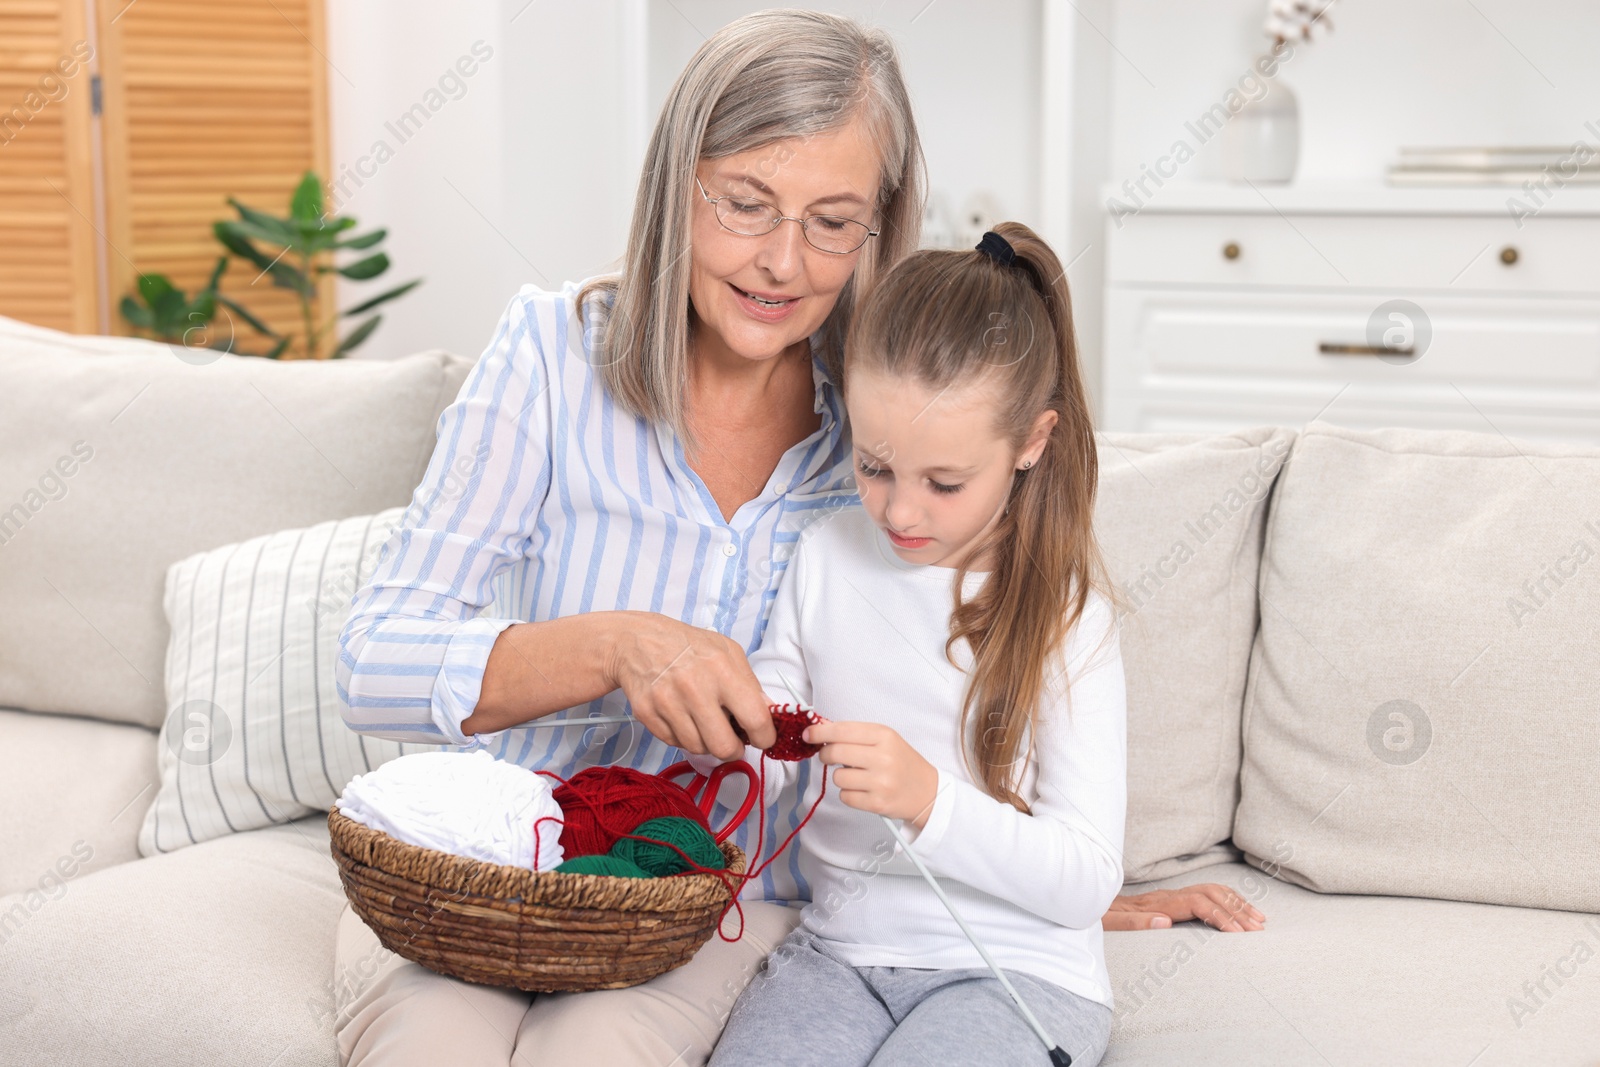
{"x":395,"y":1013}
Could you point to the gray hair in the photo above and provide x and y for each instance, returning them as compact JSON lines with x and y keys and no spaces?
{"x":762,"y":78}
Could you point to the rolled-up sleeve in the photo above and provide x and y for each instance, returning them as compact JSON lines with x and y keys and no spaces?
{"x":413,"y":651}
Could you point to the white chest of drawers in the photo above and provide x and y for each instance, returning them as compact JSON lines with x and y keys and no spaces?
{"x":1237,"y":306}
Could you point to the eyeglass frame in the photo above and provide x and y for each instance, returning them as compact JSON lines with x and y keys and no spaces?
{"x":712,"y":200}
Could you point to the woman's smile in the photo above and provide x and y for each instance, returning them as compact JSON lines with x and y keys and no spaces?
{"x":764,"y":306}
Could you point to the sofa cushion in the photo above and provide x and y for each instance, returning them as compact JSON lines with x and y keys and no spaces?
{"x":254,"y":734}
{"x":73,"y":792}
{"x":221,"y":953}
{"x":1356,"y":979}
{"x":1179,"y":519}
{"x":119,"y":458}
{"x":1425,"y":688}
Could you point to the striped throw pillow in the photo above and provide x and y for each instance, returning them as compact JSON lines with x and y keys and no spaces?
{"x":253,"y":734}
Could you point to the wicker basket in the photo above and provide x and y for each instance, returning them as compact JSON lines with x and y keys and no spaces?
{"x":505,"y":926}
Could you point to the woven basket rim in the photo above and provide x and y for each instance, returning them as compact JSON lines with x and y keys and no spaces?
{"x":468,"y":877}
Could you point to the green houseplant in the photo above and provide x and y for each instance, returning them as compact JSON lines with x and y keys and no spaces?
{"x":295,"y":251}
{"x":166,"y":313}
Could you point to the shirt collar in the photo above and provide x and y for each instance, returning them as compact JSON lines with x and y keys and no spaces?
{"x":827,"y":391}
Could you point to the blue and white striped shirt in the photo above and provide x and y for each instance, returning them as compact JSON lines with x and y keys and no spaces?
{"x":543,"y":499}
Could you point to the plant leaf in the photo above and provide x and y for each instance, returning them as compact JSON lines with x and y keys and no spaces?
{"x":254,"y":323}
{"x":284,"y":275}
{"x":356,"y":336}
{"x":325,"y":235}
{"x":363,"y":269}
{"x":153,"y":287}
{"x":366,"y":240}
{"x":270,"y":227}
{"x":277,"y":349}
{"x":169,"y":311}
{"x":237,"y":242}
{"x":306,"y":204}
{"x":381,"y":298}
{"x":252,"y":229}
{"x":203,"y":306}
{"x":316,"y":239}
{"x":136,"y":314}
{"x":216,"y":273}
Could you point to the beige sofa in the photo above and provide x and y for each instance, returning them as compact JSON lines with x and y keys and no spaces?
{"x":1362,"y":674}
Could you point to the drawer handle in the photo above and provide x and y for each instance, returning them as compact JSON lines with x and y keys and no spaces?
{"x":1230,"y":251}
{"x":1333,"y":348}
{"x":1508,"y":255}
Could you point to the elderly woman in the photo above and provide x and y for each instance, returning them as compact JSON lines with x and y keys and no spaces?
{"x":639,"y":456}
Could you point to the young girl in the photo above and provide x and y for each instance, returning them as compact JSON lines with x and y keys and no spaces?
{"x":953,"y":632}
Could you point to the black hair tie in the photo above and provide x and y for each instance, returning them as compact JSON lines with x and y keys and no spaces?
{"x":997,"y":248}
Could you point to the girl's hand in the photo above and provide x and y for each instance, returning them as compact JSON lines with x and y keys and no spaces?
{"x":878,"y":770}
{"x":1216,"y":905}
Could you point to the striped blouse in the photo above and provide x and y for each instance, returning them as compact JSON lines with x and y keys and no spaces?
{"x":543,"y":499}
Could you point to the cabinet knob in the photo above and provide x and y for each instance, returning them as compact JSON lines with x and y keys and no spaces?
{"x":1508,"y":255}
{"x":1231,"y":251}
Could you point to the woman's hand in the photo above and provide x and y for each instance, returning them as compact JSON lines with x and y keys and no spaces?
{"x":1216,"y":905}
{"x":679,"y":679}
{"x":878,"y":770}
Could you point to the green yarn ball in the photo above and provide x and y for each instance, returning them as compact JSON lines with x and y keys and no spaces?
{"x":657,"y":859}
{"x":607,"y":865}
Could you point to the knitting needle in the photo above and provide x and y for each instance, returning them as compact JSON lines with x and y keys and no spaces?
{"x":598,"y":720}
{"x":1058,"y":1056}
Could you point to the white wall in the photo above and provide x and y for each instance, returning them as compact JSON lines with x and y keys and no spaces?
{"x":972,"y":69}
{"x":530,"y":175}
{"x":526,"y":177}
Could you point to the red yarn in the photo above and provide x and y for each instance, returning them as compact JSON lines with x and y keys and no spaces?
{"x":628,"y":798}
{"x":605,"y":803}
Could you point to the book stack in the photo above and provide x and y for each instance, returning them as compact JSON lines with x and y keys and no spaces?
{"x":1428,"y":165}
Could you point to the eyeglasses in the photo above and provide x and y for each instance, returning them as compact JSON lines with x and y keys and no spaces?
{"x":753,"y":218}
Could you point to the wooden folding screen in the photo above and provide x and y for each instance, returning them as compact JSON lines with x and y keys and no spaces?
{"x":199,"y":101}
{"x":47,"y":252}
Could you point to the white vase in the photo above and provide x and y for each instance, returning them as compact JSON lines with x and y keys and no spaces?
{"x":1262,"y":142}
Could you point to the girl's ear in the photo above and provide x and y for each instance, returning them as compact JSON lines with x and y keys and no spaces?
{"x":1033,"y":447}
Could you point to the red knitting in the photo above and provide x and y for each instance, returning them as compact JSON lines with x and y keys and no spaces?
{"x":791,"y":723}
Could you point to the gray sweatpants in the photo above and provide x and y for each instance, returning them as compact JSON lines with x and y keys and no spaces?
{"x":806,"y":1006}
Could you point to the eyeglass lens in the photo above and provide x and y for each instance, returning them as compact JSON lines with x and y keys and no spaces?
{"x":830,"y":233}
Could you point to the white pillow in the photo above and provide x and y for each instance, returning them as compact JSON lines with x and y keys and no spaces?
{"x":253,"y":734}
{"x":1421,"y":718}
{"x":1180,"y":519}
{"x":117,"y":458}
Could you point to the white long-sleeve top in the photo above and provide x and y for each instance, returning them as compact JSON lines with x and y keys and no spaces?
{"x":859,"y":634}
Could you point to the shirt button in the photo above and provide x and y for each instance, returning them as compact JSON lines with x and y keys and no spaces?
{"x":730,"y":549}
